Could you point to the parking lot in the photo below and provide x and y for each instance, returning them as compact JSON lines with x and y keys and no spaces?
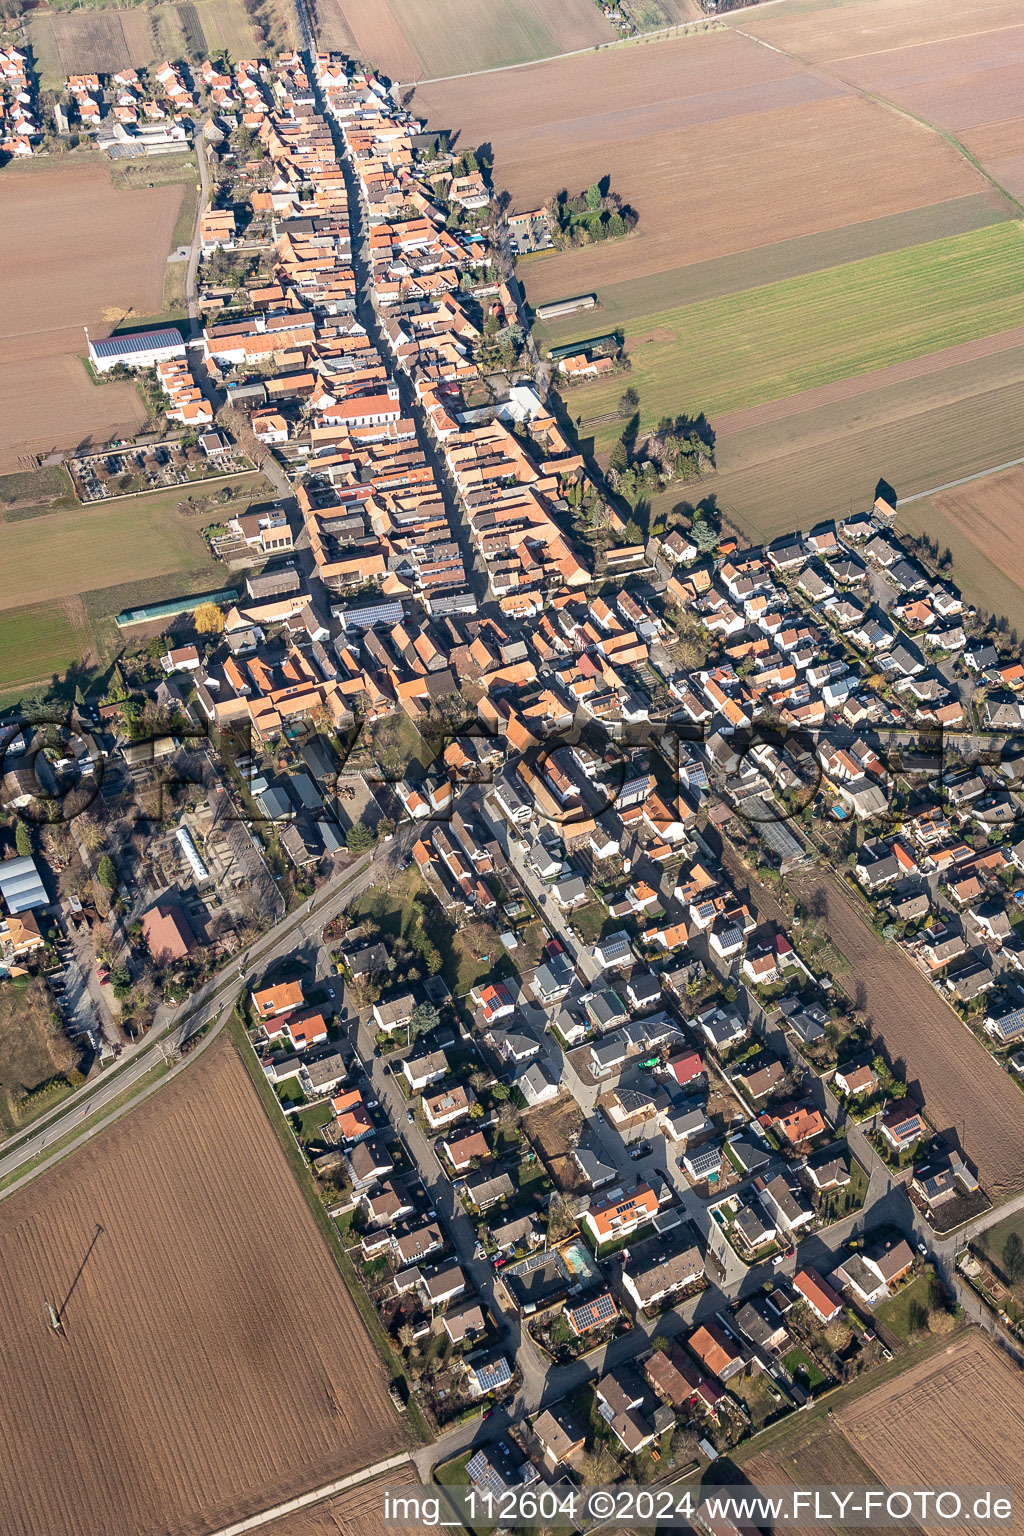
{"x":73,"y":1000}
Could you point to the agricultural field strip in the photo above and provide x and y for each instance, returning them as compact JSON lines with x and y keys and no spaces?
{"x":828,"y":463}
{"x":622,"y":303}
{"x":958,"y":1080}
{"x":969,"y":1399}
{"x":410,"y":40}
{"x":888,"y":408}
{"x":825,"y":33}
{"x":351,"y":1506}
{"x":49,"y":290}
{"x":921,"y":367}
{"x":142,"y":535}
{"x":988,"y":513}
{"x":699,"y":191}
{"x":805,"y":332}
{"x":204,"y":1231}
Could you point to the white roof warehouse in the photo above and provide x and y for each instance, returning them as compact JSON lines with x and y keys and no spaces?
{"x":136,"y":349}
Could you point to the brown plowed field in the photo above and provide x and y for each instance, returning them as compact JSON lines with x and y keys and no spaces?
{"x":356,"y":1512}
{"x":105,"y":41}
{"x":953,"y":65}
{"x":720,"y":144}
{"x":72,"y":42}
{"x":991,"y":513}
{"x":960,"y":83}
{"x":826,"y":33}
{"x":420,"y":39}
{"x":66,"y":262}
{"x":962,"y":1087}
{"x":955,"y":1419}
{"x":214,"y":1365}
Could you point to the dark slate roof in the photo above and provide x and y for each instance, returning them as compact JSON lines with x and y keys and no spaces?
{"x":136,"y":341}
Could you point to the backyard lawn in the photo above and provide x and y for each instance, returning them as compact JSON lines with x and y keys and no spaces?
{"x":756,"y":1392}
{"x":803,"y":1369}
{"x":902,"y":1312}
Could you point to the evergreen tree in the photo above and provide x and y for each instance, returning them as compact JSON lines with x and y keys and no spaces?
{"x":619,"y":458}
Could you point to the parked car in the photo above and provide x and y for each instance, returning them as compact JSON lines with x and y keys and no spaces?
{"x":410,"y":1115}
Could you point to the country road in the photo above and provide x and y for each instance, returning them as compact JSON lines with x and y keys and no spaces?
{"x":213,"y":1000}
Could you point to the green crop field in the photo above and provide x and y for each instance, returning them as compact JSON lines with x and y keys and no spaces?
{"x":226,"y":26}
{"x":35,"y":642}
{"x":745,"y":348}
{"x":64,"y":553}
{"x":72,"y":568}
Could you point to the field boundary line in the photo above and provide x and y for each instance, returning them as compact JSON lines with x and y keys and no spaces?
{"x":863,"y":91}
{"x":315,"y":1496}
{"x":679,"y":28}
{"x":951,"y":485}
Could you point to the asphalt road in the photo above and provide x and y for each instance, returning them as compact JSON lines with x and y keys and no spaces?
{"x":299,"y":927}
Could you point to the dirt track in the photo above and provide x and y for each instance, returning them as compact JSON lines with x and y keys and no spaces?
{"x":214,"y":1363}
{"x":962,"y":1087}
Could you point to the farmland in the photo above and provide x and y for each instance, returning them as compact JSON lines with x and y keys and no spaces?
{"x":105,"y":38}
{"x":65,"y":264}
{"x":785,"y":472}
{"x":66,"y":42}
{"x":413,"y":40}
{"x":969,"y":1399}
{"x":358,"y":1511}
{"x":37,"y":641}
{"x":828,"y":33}
{"x":956,"y":67}
{"x":722,"y":120}
{"x":139,"y":536}
{"x":62,"y":603}
{"x":961,"y":1086}
{"x":794,"y":231}
{"x":987,"y":514}
{"x":207,"y":1303}
{"x":776,"y":341}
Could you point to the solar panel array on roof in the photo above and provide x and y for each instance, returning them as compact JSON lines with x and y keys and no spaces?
{"x":590,"y":1314}
{"x":493,"y":1375}
{"x":136,"y":341}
